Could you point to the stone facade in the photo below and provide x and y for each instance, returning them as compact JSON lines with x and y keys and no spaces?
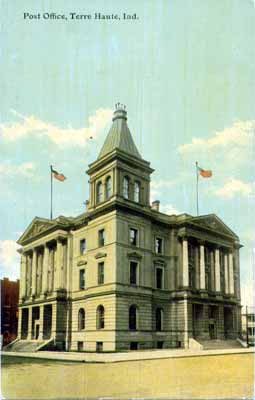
{"x":123,"y":275}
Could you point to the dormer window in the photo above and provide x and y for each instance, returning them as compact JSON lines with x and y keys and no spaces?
{"x":137,"y":192}
{"x":99,"y":192}
{"x":108,"y":187}
{"x":126,"y":187}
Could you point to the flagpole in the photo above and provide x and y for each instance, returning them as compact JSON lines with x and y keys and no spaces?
{"x":51,"y":192}
{"x":197,"y":187}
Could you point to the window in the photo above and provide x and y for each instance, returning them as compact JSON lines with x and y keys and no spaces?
{"x":133,"y":273}
{"x":82,"y":246}
{"x":108,"y":187}
{"x":81,"y":319}
{"x":137,"y":192}
{"x":101,"y":238}
{"x":100,"y":273}
{"x":159,"y":277}
{"x":99,"y":347}
{"x":132,"y":318}
{"x":159,"y":319}
{"x":133,"y":345}
{"x":99,"y":192}
{"x":133,"y":236}
{"x":80,"y":346}
{"x":158,"y":245}
{"x":160,"y":345}
{"x":100,"y":317}
{"x":82,"y":279}
{"x":126,"y":187}
{"x":251,"y":318}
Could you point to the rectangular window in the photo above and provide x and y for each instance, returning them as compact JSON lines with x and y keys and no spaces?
{"x":158,"y":245}
{"x":159,"y":278}
{"x":101,"y":238}
{"x":100,"y":273}
{"x":99,"y":347}
{"x":82,"y":246}
{"x":133,"y":273}
{"x":80,"y":346}
{"x":133,"y":345}
{"x":82,"y":279}
{"x":133,"y":236}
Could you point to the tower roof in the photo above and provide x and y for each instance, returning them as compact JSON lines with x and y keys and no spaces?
{"x":119,"y":135}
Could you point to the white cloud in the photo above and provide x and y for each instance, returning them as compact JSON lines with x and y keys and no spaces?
{"x":32,"y":126}
{"x":247,"y":294}
{"x":9,"y":259}
{"x":157,"y":187}
{"x":234,"y":187}
{"x":239,"y":135}
{"x":26,"y":169}
{"x":169,"y":209}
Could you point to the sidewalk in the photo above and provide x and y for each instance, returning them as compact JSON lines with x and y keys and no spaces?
{"x":125,"y":356}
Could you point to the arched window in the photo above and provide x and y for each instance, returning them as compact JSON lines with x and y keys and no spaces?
{"x":81,"y":319}
{"x":99,"y":192}
{"x":108,"y":187}
{"x":159,"y":319}
{"x":137,"y":192}
{"x":126,"y":187}
{"x":133,"y":317}
{"x":100,"y":317}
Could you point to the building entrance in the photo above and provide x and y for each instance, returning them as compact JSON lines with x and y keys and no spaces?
{"x":212,"y":330}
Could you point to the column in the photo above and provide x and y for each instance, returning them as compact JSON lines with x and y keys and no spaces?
{"x":58,"y":265}
{"x":185,"y":262}
{"x":212,"y":270}
{"x":197,"y":268}
{"x":226,"y":273}
{"x":231,"y":273}
{"x":22,"y":291}
{"x":186,"y":324}
{"x":19,"y":323}
{"x":41,"y":323}
{"x":34,"y":263}
{"x":217,"y":270}
{"x":45,"y":269}
{"x":29,"y":334}
{"x":202,"y":266}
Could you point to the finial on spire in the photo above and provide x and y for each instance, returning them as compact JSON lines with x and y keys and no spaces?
{"x":120,"y":106}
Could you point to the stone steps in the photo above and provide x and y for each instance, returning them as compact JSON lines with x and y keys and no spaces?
{"x":26,"y":346}
{"x":220,"y":344}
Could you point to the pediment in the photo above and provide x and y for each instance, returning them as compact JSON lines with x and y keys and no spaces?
{"x":213,"y":223}
{"x":37,"y":226}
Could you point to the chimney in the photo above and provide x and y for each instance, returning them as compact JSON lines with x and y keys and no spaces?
{"x":86,"y":205}
{"x":155,"y":205}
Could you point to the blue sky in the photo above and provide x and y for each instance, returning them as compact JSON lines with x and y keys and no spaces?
{"x":184,"y":69}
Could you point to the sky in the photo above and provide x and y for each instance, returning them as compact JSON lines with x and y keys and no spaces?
{"x":185,"y":71}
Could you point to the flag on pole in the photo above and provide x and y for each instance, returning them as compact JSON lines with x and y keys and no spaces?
{"x":204,"y":173}
{"x":57,"y":175}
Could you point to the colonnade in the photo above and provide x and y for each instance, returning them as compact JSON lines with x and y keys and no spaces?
{"x":43,"y":269}
{"x":228,"y":268}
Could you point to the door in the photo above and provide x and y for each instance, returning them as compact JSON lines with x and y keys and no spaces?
{"x":212,"y":332}
{"x":37,"y":330}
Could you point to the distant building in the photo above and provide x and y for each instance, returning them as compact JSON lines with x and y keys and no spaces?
{"x":9,"y":310}
{"x":248,"y":325}
{"x":123,"y":275}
